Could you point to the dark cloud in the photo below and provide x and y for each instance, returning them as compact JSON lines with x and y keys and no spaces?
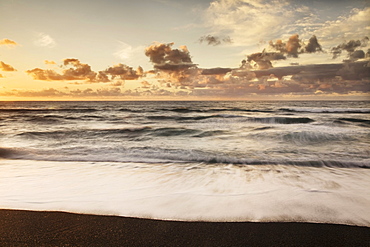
{"x":164,"y":57}
{"x":349,"y":46}
{"x":174,"y":65}
{"x":355,"y":71}
{"x":280,"y":50}
{"x":216,"y":71}
{"x":292,"y":48}
{"x":344,"y":78}
{"x":346,"y":71}
{"x":214,"y":40}
{"x":263,"y":59}
{"x":78,"y":70}
{"x":358,"y":54}
{"x":124,"y":72}
{"x":313,"y":45}
{"x":6,"y":67}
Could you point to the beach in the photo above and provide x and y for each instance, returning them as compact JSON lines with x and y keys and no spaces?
{"x":41,"y":228}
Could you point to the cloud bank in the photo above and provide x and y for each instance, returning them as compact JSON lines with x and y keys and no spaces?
{"x":73,"y":69}
{"x":175,"y":75}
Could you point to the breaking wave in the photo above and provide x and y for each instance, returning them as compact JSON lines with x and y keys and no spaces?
{"x":157,"y":155}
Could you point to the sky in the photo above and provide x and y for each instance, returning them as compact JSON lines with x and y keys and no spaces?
{"x":184,"y":50}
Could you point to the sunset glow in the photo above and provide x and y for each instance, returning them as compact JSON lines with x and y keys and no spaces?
{"x":184,"y":50}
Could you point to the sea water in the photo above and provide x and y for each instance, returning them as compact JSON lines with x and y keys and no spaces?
{"x":212,"y":161}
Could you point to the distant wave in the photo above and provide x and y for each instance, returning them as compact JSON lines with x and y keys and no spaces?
{"x":186,"y":110}
{"x":327,"y":110}
{"x":269,"y":120}
{"x":226,"y":109}
{"x":44,"y":110}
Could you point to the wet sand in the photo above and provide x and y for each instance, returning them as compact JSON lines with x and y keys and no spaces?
{"x":33,"y":228}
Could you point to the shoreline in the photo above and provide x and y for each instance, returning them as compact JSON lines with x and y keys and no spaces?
{"x":51,"y":228}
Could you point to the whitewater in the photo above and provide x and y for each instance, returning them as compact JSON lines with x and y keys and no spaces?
{"x":305,"y":161}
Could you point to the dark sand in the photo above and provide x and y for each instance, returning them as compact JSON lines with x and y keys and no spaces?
{"x":30,"y":228}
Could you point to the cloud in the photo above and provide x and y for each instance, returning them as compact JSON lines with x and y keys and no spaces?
{"x":124,"y":72}
{"x":73,"y":69}
{"x":49,"y":62}
{"x":263,"y":59}
{"x":293,"y":46}
{"x":44,"y":75}
{"x":1,"y":76}
{"x":216,"y":71}
{"x":45,"y":40}
{"x":350,"y":27}
{"x":249,"y":21}
{"x":6,"y":67}
{"x":77,"y":70}
{"x":126,"y":51}
{"x":172,"y":64}
{"x":50,"y":92}
{"x":164,"y":57}
{"x":91,"y":93}
{"x":256,"y":74}
{"x":343,"y":78}
{"x":313,"y":45}
{"x":8,"y":42}
{"x":214,"y":40}
{"x":280,"y":50}
{"x":350,"y":47}
{"x":325,"y":79}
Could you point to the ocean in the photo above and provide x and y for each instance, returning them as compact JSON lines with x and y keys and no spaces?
{"x":262,"y":161}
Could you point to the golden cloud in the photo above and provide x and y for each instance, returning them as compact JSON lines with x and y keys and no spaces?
{"x":6,"y":67}
{"x":8,"y":42}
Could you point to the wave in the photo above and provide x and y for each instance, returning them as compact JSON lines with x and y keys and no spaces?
{"x":189,"y":110}
{"x":124,"y":132}
{"x":268,"y":120}
{"x":283,"y":120}
{"x":309,"y":137}
{"x":327,"y":110}
{"x":363,"y":122}
{"x":46,"y":110}
{"x":63,"y":134}
{"x":173,"y":131}
{"x":157,"y":155}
